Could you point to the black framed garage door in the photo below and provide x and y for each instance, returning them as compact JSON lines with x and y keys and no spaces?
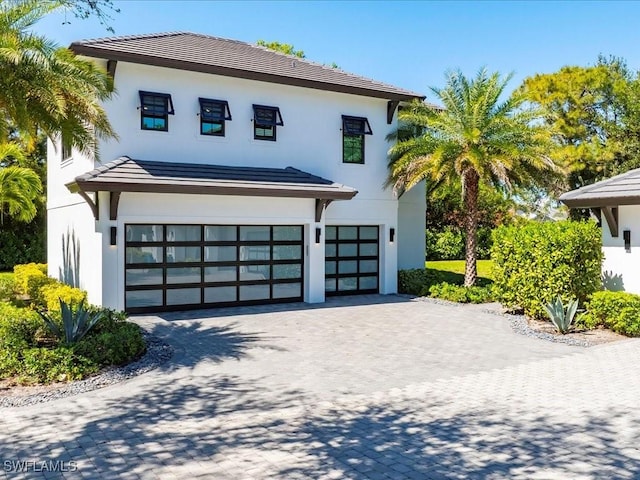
{"x":177,"y":267}
{"x":351,"y":259}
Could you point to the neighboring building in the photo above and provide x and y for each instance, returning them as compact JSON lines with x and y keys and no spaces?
{"x":617,"y":202}
{"x":216,"y":191}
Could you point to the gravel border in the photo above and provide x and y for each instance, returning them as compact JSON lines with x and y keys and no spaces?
{"x":158,"y":352}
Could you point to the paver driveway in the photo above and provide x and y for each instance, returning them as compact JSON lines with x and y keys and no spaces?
{"x":362,"y":387}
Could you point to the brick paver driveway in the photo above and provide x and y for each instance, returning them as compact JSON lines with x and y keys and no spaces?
{"x":371,"y":387}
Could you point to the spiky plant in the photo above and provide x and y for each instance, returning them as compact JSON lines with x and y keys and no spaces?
{"x":562,"y":318}
{"x":477,"y":138}
{"x":76,"y":322}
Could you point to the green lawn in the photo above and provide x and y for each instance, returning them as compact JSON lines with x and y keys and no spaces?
{"x":457,"y":266}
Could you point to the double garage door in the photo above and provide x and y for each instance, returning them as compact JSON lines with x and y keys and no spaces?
{"x":172,"y":267}
{"x":176,"y":267}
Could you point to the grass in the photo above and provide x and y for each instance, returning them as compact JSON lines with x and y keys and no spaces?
{"x":457,"y":266}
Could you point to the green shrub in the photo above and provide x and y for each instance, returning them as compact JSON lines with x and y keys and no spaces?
{"x":19,"y":327}
{"x":449,"y":243}
{"x":461,"y":294}
{"x":23,"y":242}
{"x":53,"y":292}
{"x":7,"y":287}
{"x":537,"y":261}
{"x":619,"y":311}
{"x":417,"y":281}
{"x":59,"y":364}
{"x":116,"y":345}
{"x":23,"y":274}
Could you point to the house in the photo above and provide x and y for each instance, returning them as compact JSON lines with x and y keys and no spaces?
{"x":240,"y":176}
{"x":617,"y":201}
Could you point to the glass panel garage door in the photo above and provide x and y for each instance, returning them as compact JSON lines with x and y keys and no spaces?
{"x":351,"y":260}
{"x":176,"y":267}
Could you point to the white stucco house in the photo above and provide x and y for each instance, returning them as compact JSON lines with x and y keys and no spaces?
{"x":240,"y":176}
{"x":617,"y":201}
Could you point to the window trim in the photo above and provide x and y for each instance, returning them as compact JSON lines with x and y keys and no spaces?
{"x":168,"y":110}
{"x":65,"y":151}
{"x":348,"y":131}
{"x":221,"y":119}
{"x":277,"y":121}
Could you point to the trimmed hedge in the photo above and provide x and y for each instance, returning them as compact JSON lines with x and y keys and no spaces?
{"x":30,"y":272}
{"x":618,"y":311}
{"x":418,"y":281}
{"x":51,"y":294}
{"x":536,"y":262}
{"x":461,"y":294}
{"x":448,"y":243}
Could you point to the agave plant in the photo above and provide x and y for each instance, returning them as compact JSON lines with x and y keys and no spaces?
{"x":76,"y":322}
{"x":562,"y":319}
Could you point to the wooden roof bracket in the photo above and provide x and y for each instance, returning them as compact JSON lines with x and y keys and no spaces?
{"x":321,"y":205}
{"x":111,"y":68}
{"x":597,"y":213}
{"x":114,"y":201}
{"x":391,"y":109}
{"x":93,"y":204}
{"x":611,"y":216}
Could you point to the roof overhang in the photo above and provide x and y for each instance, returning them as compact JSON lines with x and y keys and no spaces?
{"x":128,"y":175}
{"x":116,"y":56}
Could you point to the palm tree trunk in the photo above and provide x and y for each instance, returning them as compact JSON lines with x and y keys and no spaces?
{"x":470,"y":186}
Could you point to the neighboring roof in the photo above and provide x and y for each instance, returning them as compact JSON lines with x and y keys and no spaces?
{"x":622,"y":189}
{"x":221,"y":56}
{"x":128,"y":175}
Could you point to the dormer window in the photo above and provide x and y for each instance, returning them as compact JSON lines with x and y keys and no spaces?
{"x":353,"y":131}
{"x":213,"y":114}
{"x":155,"y":109}
{"x":265,"y":121}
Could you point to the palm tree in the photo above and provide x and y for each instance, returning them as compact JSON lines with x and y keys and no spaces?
{"x":477,"y":138}
{"x":19,"y":187}
{"x":44,"y":88}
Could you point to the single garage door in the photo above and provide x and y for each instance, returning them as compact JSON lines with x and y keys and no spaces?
{"x":351,"y":259}
{"x":176,"y":267}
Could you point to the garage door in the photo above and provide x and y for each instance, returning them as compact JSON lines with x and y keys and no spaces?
{"x":351,"y":259}
{"x":175,"y":267}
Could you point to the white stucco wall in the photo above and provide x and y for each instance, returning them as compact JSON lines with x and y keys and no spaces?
{"x":621,"y":269}
{"x":310,"y":140}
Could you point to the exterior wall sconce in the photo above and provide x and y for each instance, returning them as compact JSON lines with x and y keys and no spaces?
{"x":392,"y":234}
{"x":627,"y":240}
{"x":318,"y":233}
{"x":114,"y":236}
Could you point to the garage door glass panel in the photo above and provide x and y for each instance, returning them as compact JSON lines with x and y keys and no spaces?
{"x":330,"y":233}
{"x":183,"y":275}
{"x":144,"y":298}
{"x":144,"y":233}
{"x":287,"y":233}
{"x":255,"y":234}
{"x":220,"y":295}
{"x":351,"y":260}
{"x":194,"y":266}
{"x":183,"y":296}
{"x":221,"y":274}
{"x":254,"y":292}
{"x":144,"y":255}
{"x":184,"y":233}
{"x":221,"y":233}
{"x":183,"y":254}
{"x":220,"y":254}
{"x":143,"y":276}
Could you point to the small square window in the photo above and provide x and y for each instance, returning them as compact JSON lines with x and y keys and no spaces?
{"x":213,"y":114}
{"x":155,"y":109}
{"x":265,"y":121}
{"x":353,"y":131}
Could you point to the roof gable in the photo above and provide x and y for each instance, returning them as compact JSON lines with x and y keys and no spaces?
{"x":220,"y":56}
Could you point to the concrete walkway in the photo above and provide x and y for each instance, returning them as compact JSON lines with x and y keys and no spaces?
{"x":364,"y":387}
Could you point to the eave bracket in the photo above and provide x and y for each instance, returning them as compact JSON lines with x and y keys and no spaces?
{"x":611,"y":216}
{"x":391,"y":109}
{"x":93,"y":204}
{"x":321,"y":205}
{"x":114,"y":201}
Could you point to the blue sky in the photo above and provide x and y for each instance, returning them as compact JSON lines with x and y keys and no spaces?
{"x":406,"y":43}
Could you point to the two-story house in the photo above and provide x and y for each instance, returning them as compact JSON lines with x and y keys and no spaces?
{"x":240,"y":176}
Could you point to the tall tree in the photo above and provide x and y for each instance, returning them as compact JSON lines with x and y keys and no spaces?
{"x":477,"y":138}
{"x":285,"y":48}
{"x":44,"y":88}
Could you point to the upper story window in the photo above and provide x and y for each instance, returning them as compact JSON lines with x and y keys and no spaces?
{"x":155,"y":109}
{"x":67,"y":151}
{"x":213,"y":114}
{"x":353,"y":131}
{"x":265,"y":121}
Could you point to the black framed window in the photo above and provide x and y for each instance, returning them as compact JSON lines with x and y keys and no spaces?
{"x":265,"y":121}
{"x":67,"y":151}
{"x":353,"y":131}
{"x":155,"y":109}
{"x":213,"y":114}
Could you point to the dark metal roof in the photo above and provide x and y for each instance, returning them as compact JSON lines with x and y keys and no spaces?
{"x":622,"y":189}
{"x":221,"y":56}
{"x":128,"y":175}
